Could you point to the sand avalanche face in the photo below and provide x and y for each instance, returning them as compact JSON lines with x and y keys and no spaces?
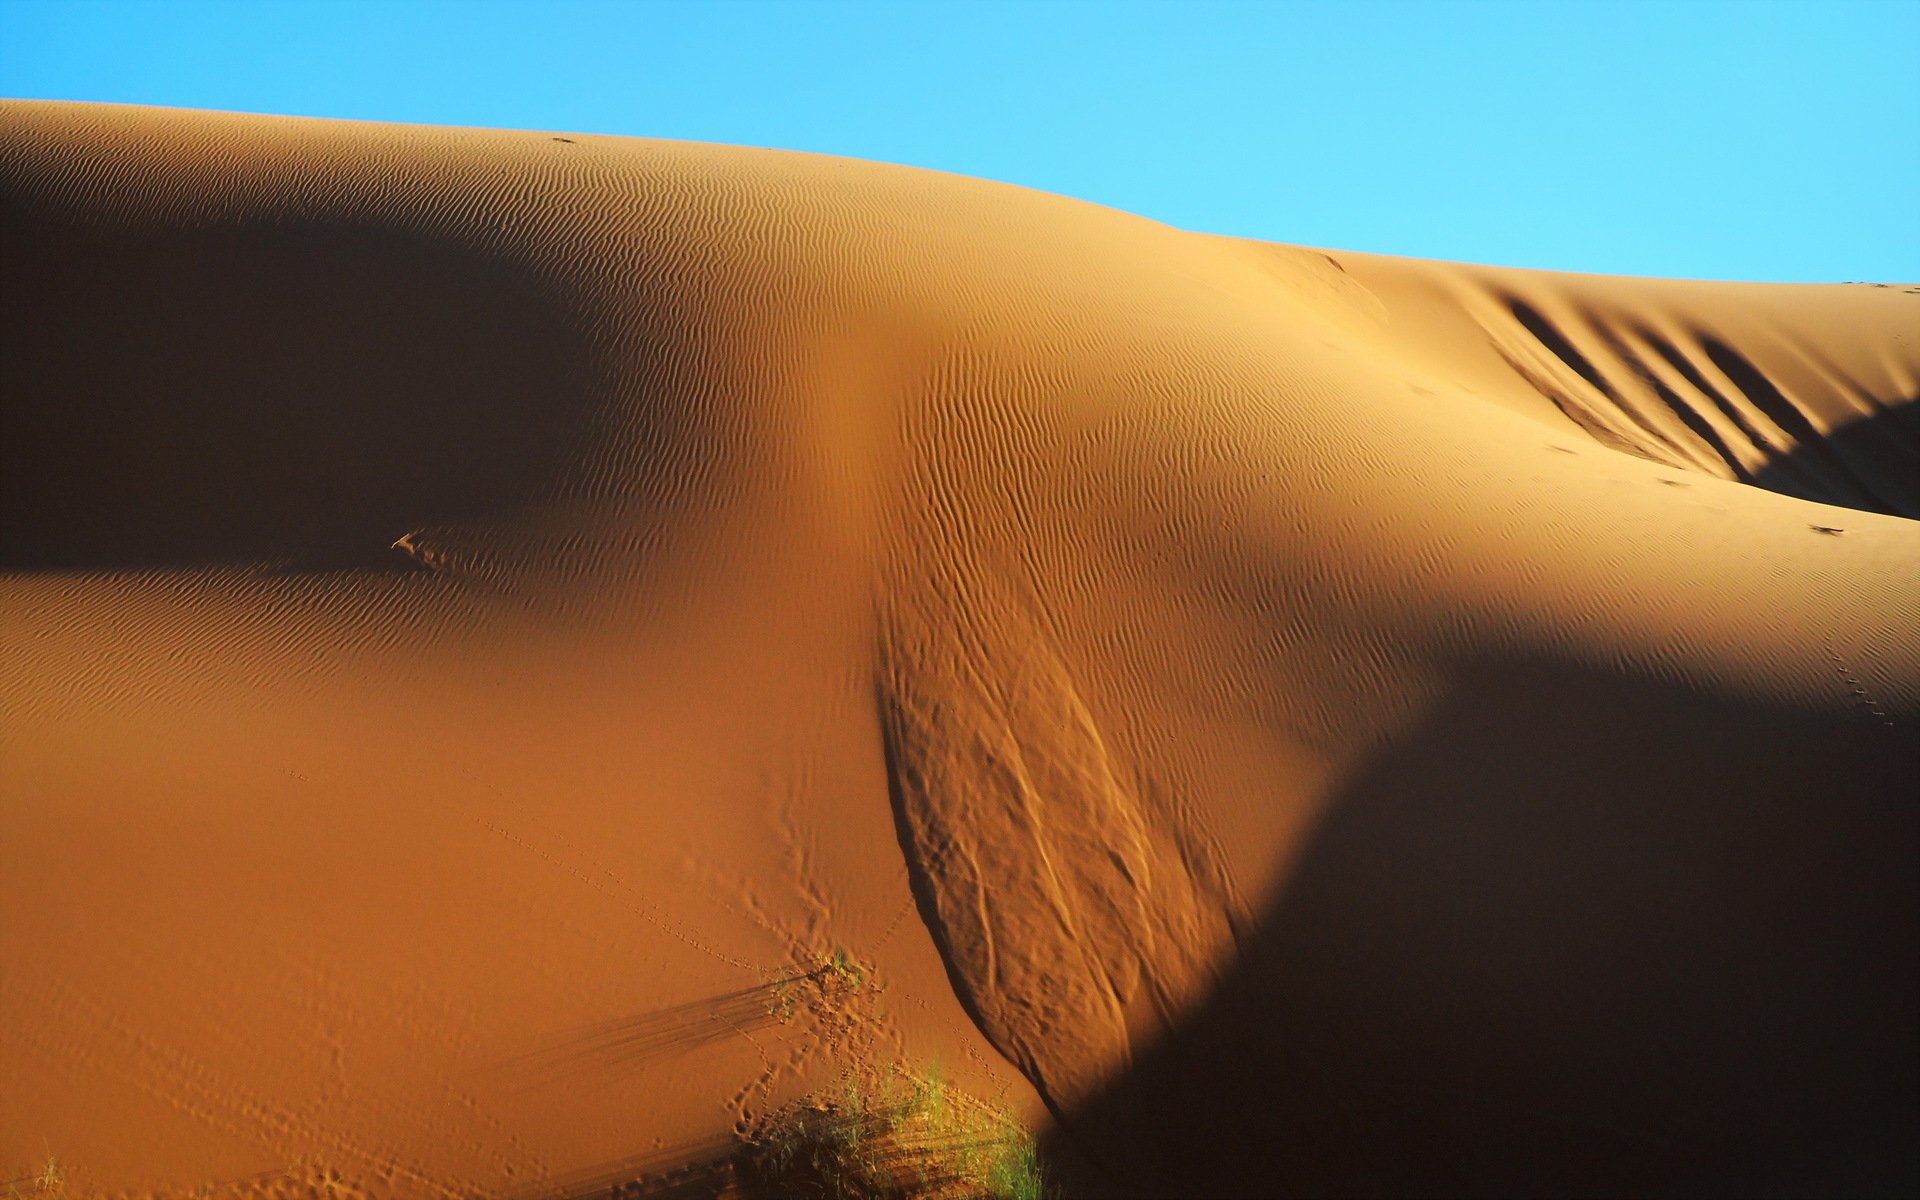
{"x":525,"y":659}
{"x":1070,"y":915}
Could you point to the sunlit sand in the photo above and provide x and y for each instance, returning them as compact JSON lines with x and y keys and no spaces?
{"x":523,"y":656}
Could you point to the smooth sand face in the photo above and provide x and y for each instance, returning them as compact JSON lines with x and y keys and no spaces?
{"x":485,"y":612}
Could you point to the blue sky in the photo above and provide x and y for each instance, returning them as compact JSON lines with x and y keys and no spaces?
{"x":1747,"y":140}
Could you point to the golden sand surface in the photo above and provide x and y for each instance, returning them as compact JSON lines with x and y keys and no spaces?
{"x":521,"y":654}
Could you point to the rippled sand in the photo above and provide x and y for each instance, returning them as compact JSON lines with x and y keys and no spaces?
{"x":521,"y":654}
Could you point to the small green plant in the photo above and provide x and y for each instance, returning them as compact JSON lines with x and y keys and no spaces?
{"x":907,"y":1136}
{"x":840,"y":968}
{"x":826,"y":977}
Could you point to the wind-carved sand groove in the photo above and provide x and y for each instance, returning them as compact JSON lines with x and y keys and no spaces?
{"x":1679,"y":394}
{"x":1070,"y":918}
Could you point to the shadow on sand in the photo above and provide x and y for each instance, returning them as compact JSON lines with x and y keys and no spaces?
{"x":635,"y":1043}
{"x":1573,"y":937}
{"x":308,"y":391}
{"x":1883,"y":451}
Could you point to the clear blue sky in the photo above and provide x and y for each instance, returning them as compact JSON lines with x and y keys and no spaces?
{"x":1750,"y":139}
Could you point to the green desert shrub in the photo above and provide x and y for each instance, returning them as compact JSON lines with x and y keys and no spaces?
{"x":904,"y":1136}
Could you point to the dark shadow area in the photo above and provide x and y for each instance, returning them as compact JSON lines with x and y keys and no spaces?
{"x":1574,"y":936}
{"x":1668,"y":399}
{"x":1817,"y":470}
{"x":296,"y":390}
{"x":1695,"y":422}
{"x":1872,"y":466}
{"x":1766,"y":396}
{"x":1813,"y":452}
{"x":1881,"y":454}
{"x":1549,"y":335}
{"x":1594,"y":425}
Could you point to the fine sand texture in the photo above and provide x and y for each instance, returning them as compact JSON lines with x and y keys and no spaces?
{"x":523,"y":654}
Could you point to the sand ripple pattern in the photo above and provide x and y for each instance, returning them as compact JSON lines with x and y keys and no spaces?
{"x":382,"y":508}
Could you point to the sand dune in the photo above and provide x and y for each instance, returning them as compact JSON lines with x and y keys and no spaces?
{"x":523,"y":654}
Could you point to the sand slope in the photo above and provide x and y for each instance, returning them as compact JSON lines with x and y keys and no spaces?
{"x":487,"y":614}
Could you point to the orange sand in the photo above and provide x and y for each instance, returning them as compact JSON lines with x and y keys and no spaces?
{"x":482,"y":609}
